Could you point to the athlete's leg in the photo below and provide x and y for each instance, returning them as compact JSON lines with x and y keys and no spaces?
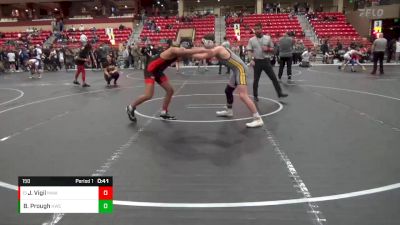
{"x":169,"y":92}
{"x":244,"y":96}
{"x":148,"y":93}
{"x":229,"y":102}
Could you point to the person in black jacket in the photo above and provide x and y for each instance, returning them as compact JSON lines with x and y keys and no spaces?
{"x":324,"y":49}
{"x":83,"y":57}
{"x":110,"y":71}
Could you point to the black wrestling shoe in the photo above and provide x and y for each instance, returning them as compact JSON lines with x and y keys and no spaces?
{"x":166,"y":116}
{"x":76,"y":82}
{"x":282,"y":95}
{"x":85,"y":85}
{"x":131,"y":113}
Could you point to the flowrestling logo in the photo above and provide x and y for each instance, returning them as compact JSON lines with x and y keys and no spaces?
{"x":371,"y":12}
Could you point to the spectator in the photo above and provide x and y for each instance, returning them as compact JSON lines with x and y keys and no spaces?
{"x":320,"y":8}
{"x":329,"y":57}
{"x":54,"y":25}
{"x":83,"y":39}
{"x":268,"y":8}
{"x":140,"y":58}
{"x":11,"y":60}
{"x":391,"y":49}
{"x":61,"y":57}
{"x":378,"y":48}
{"x":298,"y":50}
{"x":95,"y":38}
{"x":285,"y":55}
{"x":125,"y":56}
{"x":82,"y":58}
{"x":186,"y":43}
{"x":201,"y":62}
{"x":305,"y":62}
{"x":324,"y":49}
{"x":278,"y":8}
{"x":24,"y":57}
{"x":37,"y":53}
{"x":307,"y":7}
{"x":61,"y":24}
{"x":339,"y":45}
{"x":296,"y":8}
{"x":110,"y":71}
{"x":81,"y":27}
{"x":236,"y":49}
{"x":242,"y":52}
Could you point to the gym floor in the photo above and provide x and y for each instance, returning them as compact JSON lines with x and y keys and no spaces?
{"x":327,"y":154}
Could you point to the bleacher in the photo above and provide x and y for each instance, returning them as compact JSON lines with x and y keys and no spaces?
{"x":120,"y":36}
{"x":36,"y":39}
{"x":275,"y":25}
{"x":339,"y":29}
{"x":202,"y":26}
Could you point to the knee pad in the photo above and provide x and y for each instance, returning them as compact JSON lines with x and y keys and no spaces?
{"x":229,"y":94}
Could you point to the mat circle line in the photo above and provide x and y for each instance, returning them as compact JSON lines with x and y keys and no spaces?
{"x":21,"y":94}
{"x":211,"y":121}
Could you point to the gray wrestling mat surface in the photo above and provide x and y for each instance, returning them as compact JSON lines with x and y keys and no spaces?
{"x":327,"y":154}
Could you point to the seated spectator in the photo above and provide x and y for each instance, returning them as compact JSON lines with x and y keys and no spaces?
{"x":81,"y":27}
{"x":305,"y":62}
{"x":328,"y":57}
{"x":121,"y":27}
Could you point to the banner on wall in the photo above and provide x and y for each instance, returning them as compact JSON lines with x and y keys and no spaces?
{"x":236,"y":28}
{"x":378,"y":26}
{"x":110,"y":34}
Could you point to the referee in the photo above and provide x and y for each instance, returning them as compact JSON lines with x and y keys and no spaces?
{"x":260,"y":50}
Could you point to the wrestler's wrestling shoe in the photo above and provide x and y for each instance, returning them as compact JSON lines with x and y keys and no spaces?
{"x":257,"y":122}
{"x":225,"y":113}
{"x":131,"y":113}
{"x":166,"y":116}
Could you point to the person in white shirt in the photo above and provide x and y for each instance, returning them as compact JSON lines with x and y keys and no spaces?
{"x":398,"y":50}
{"x":61,"y":58}
{"x":83,"y":39}
{"x":38,"y":56}
{"x":11,"y":60}
{"x":305,"y":58}
{"x":81,"y":27}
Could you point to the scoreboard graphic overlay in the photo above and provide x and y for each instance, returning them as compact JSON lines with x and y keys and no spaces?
{"x":65,"y":194}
